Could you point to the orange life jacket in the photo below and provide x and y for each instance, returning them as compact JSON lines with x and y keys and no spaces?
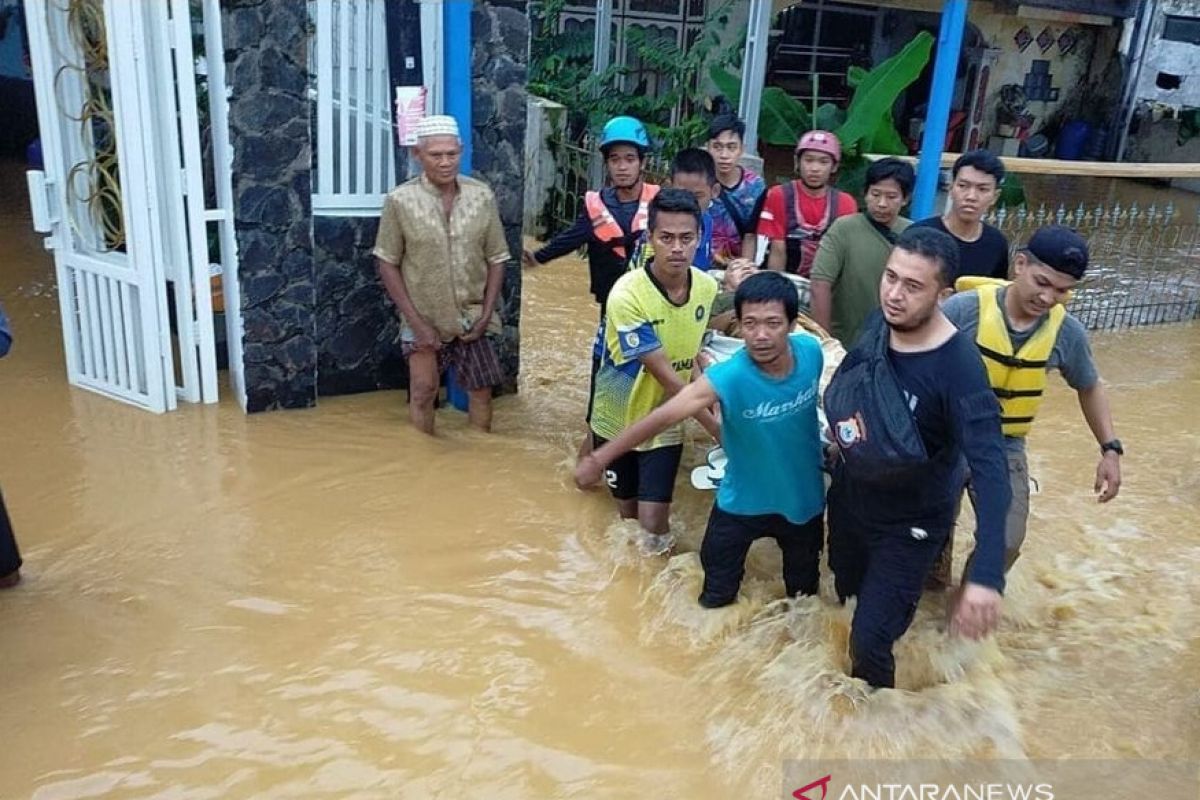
{"x":605,"y":227}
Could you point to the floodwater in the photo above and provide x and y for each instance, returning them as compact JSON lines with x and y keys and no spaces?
{"x":325,"y":604}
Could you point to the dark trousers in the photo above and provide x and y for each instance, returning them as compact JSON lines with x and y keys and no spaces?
{"x":10,"y":559}
{"x":728,"y":538}
{"x":884,"y":566}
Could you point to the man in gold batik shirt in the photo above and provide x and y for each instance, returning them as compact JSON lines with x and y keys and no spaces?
{"x":441,"y":254}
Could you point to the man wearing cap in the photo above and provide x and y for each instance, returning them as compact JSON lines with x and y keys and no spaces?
{"x":441,"y":254}
{"x":1022,"y":330}
{"x":796,"y":215}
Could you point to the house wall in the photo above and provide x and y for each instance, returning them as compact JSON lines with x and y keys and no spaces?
{"x":499,"y":66}
{"x":267,"y":57}
{"x":1088,"y":87}
{"x":1176,"y":58}
{"x":1155,"y":132}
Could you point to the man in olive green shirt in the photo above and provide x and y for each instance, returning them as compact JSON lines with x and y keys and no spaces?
{"x":849,"y":264}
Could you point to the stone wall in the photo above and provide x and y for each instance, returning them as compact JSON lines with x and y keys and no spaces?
{"x":499,"y":66}
{"x":266,"y":56}
{"x":358,"y":334}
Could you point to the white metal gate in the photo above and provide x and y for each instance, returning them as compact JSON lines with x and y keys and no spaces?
{"x":122,"y":195}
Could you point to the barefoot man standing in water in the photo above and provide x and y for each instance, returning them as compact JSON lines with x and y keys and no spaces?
{"x":906,"y":405}
{"x":441,"y":254}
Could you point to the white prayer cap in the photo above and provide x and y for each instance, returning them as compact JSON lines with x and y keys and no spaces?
{"x":437,"y":125}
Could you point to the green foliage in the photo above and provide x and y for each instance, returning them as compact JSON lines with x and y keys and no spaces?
{"x":561,"y":70}
{"x":877,"y":91}
{"x":866,"y":125}
{"x":1012,"y":191}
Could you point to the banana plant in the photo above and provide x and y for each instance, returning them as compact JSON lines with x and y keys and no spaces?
{"x":866,"y":125}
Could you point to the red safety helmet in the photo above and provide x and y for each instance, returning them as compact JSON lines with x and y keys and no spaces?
{"x":821,"y":142}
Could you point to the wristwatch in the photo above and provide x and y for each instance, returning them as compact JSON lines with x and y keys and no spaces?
{"x":1114,"y":445}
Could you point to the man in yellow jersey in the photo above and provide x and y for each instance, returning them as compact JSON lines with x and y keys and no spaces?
{"x":1022,"y":330}
{"x":655,"y":321}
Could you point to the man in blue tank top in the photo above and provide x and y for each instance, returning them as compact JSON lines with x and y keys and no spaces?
{"x":773,"y":486}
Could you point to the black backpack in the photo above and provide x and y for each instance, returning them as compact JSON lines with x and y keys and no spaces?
{"x":869,"y":416}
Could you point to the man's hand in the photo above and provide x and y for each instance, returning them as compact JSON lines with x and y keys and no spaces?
{"x":977,"y":612}
{"x":588,"y":471}
{"x":739,"y":269}
{"x":477,"y":330}
{"x":1108,"y":477}
{"x":425,"y":337}
{"x":528,"y":261}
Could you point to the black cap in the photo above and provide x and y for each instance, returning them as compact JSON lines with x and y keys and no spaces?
{"x":1060,"y":248}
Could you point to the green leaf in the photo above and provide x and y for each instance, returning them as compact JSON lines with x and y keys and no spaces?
{"x":854,"y":76}
{"x":878,"y":90}
{"x":886,"y":139}
{"x":829,"y":118}
{"x":782,"y":118}
{"x":727,"y":84}
{"x":852,"y":175}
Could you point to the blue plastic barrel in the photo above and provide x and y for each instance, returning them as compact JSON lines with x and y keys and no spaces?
{"x":1072,"y":140}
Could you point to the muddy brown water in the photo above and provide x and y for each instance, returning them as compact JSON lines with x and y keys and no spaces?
{"x":325,"y":604}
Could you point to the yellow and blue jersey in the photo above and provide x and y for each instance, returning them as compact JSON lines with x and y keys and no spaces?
{"x":641,"y":319}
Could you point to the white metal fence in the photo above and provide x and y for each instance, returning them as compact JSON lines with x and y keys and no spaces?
{"x":355,"y":158}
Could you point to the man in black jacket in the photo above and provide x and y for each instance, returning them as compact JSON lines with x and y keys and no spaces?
{"x":906,"y":405}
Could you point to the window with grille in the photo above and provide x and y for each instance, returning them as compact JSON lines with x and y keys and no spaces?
{"x":355,"y":157}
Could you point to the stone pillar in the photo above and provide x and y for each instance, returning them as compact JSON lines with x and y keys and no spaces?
{"x":500,"y":58}
{"x":266,"y":50}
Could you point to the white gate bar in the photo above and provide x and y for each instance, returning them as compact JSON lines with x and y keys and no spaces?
{"x":36,"y":12}
{"x":171,"y":231}
{"x":324,"y":98}
{"x":343,"y":97}
{"x":132,"y":107}
{"x":107,"y":331}
{"x":118,"y":318}
{"x":218,"y":110}
{"x":92,"y":320}
{"x":360,"y":52}
{"x":386,"y":177}
{"x":129,"y":309}
{"x":193,"y":176}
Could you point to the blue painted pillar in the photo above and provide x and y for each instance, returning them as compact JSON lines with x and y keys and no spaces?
{"x":941,"y":94}
{"x":456,"y":30}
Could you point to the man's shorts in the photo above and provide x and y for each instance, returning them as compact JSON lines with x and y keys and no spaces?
{"x":647,"y":476}
{"x":476,"y":365}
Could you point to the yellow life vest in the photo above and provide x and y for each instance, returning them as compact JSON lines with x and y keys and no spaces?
{"x":1018,"y":378}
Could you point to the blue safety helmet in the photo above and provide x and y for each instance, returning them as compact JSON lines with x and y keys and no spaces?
{"x":625,"y":130}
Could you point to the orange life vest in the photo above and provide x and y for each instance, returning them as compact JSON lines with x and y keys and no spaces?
{"x":605,"y":227}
